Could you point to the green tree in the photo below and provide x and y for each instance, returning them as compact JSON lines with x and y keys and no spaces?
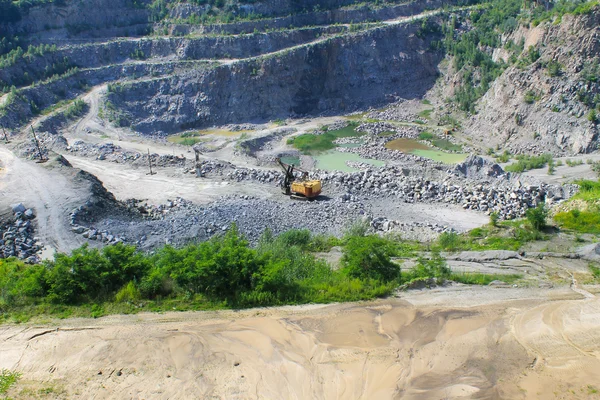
{"x":369,"y":257}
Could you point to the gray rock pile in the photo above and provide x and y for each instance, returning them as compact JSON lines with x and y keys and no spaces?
{"x":403,"y":111}
{"x":377,"y":128}
{"x":17,"y":236}
{"x":114,"y":153}
{"x":252,"y":215}
{"x":263,"y":176}
{"x":507,"y":199}
{"x":477,"y":167}
{"x":91,"y":233}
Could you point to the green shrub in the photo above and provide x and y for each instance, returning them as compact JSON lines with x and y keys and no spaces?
{"x":7,"y":379}
{"x":76,"y":109}
{"x":368,"y":257}
{"x":530,"y":97}
{"x":426,"y":135}
{"x":357,"y":229}
{"x":128,"y":293}
{"x":537,"y":216}
{"x":450,"y":241}
{"x":504,"y":157}
{"x":526,"y":163}
{"x":592,"y":116}
{"x":494,"y":218}
{"x":554,"y":68}
{"x":90,"y":274}
{"x":20,"y":284}
{"x":434,"y":267}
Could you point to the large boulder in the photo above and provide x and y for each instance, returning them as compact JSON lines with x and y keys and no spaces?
{"x":18,"y":208}
{"x":478,"y":167}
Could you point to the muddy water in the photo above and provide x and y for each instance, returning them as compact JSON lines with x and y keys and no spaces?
{"x":336,"y":161}
{"x":417,"y":148}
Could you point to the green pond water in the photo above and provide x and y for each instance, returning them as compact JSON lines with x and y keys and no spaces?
{"x":336,"y":161}
{"x":291,"y":160}
{"x":419,"y":149}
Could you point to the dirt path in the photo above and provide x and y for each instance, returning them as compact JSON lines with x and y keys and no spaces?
{"x":521,"y":344}
{"x":126,"y":182}
{"x":49,"y":192}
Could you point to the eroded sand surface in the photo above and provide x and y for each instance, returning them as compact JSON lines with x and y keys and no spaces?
{"x":507,"y":344}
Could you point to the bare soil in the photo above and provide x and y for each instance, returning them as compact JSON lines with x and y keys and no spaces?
{"x":458,"y":342}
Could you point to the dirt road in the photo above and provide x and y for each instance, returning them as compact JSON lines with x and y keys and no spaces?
{"x":450,"y":343}
{"x":50,"y":192}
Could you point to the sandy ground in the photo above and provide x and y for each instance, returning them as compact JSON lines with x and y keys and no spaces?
{"x":459,"y":342}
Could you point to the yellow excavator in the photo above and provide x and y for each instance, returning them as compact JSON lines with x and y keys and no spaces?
{"x":301,"y":188}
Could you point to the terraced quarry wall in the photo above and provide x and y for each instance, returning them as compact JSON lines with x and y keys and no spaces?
{"x":86,"y":18}
{"x":164,"y":84}
{"x":340,"y":74}
{"x":318,"y":18}
{"x":119,"y":51}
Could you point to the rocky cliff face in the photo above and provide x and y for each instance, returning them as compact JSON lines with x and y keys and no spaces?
{"x":340,"y":74}
{"x":94,"y":55}
{"x":84,"y":18}
{"x":532,"y":109}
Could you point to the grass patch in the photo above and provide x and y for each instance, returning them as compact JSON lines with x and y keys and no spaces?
{"x":579,"y":221}
{"x":587,"y":220}
{"x":476,"y":278}
{"x":526,"y":163}
{"x":436,"y":267}
{"x":595,"y":271}
{"x":507,"y":235}
{"x":312,"y":143}
{"x":7,"y":379}
{"x":426,"y":135}
{"x":442,"y":144}
{"x":445,"y":144}
{"x":589,"y":191}
{"x":187,"y":139}
{"x":426,"y":113}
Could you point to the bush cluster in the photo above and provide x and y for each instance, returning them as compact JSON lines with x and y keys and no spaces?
{"x":525,"y":163}
{"x":224,"y":270}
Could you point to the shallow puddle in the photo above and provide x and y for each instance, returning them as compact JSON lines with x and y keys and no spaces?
{"x":417,"y":148}
{"x":290,"y":160}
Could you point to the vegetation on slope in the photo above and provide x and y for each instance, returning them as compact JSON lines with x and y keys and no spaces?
{"x":220,"y":273}
{"x":471,"y":51}
{"x":585,"y":216}
{"x":526,"y":163}
{"x":506,"y":235}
